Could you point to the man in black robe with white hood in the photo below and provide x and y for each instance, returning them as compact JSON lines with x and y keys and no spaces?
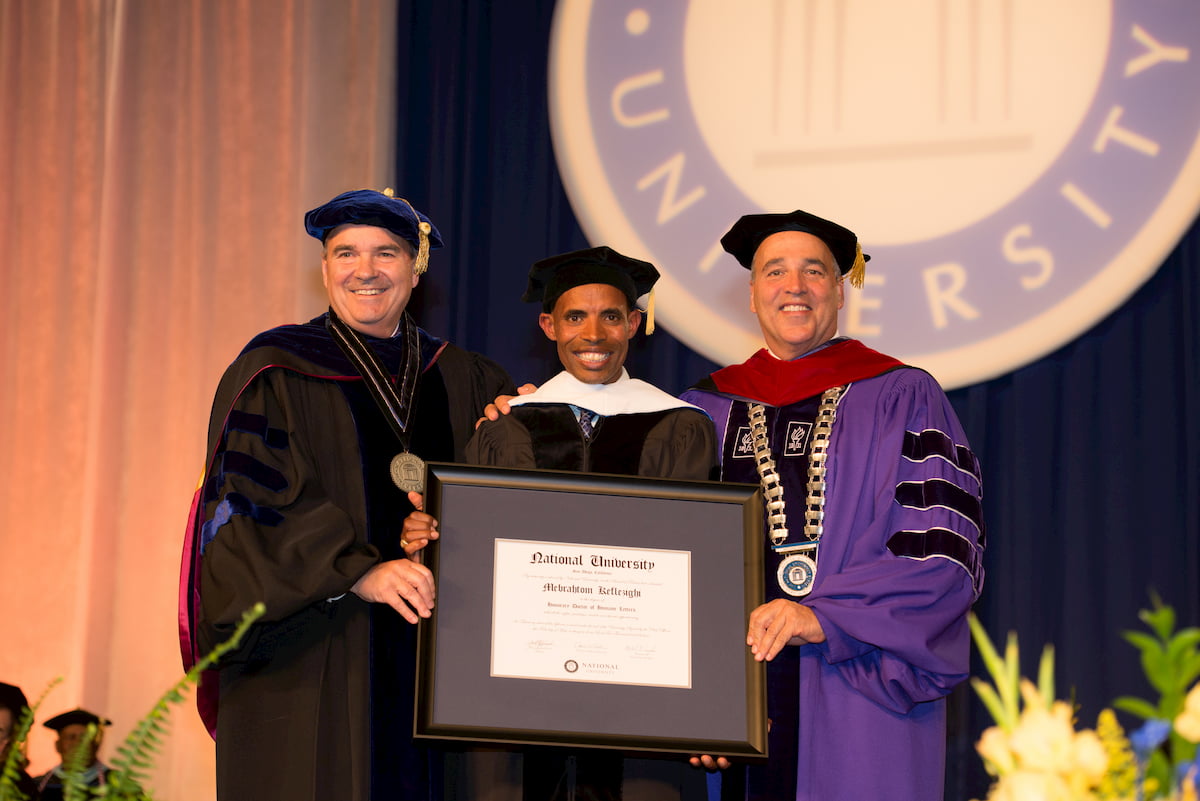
{"x":592,"y":417}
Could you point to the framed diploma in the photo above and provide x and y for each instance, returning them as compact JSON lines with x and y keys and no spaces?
{"x":595,"y":611}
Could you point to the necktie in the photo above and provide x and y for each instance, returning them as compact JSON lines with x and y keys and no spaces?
{"x":585,"y":422}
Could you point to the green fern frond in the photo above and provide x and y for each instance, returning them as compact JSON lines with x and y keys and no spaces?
{"x":131,"y":769}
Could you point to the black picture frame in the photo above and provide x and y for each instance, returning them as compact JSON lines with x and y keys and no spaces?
{"x":722,"y":712}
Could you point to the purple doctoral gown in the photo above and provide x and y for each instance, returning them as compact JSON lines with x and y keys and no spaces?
{"x":862,"y":715}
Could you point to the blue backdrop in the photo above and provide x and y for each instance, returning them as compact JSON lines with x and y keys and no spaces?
{"x":1090,"y":458}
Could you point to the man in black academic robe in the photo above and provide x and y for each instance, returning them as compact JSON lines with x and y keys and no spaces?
{"x":297,"y":509}
{"x":631,"y":428}
{"x":593,"y":417}
{"x":77,"y":752}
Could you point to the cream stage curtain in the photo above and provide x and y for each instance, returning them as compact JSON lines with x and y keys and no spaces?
{"x":156,"y":157}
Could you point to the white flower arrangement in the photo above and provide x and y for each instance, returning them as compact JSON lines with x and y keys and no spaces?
{"x":1035,"y":752}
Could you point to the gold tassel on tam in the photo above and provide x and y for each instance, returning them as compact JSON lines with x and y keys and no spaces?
{"x":650,"y":313}
{"x":858,"y":271}
{"x":422,"y":262}
{"x":423,"y":229}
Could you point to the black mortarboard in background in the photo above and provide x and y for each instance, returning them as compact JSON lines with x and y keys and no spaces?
{"x":12,"y":698}
{"x":381,"y":209}
{"x":80,"y":716}
{"x":550,"y":277}
{"x":748,"y":233}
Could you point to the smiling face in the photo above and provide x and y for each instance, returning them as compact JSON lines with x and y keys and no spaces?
{"x":592,"y":325}
{"x":368,"y":273}
{"x":796,"y":292}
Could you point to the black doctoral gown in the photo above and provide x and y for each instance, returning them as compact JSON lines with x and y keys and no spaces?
{"x":676,"y":443}
{"x":296,"y":505}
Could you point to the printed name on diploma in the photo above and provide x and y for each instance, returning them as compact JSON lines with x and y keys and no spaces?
{"x":551,"y":586}
{"x":595,"y":560}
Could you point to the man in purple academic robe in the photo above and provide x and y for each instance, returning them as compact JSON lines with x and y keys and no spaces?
{"x":874,"y":539}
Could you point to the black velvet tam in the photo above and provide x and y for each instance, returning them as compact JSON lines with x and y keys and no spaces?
{"x":748,"y":233}
{"x":76,"y":717}
{"x":552,"y":276}
{"x":12,"y":699}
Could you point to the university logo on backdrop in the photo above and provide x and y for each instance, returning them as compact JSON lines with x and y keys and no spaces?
{"x":1016,"y":168}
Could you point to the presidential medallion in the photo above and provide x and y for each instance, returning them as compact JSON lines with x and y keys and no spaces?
{"x":798,"y":570}
{"x":408,"y":472}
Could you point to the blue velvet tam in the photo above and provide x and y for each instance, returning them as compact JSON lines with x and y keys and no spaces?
{"x":368,"y":207}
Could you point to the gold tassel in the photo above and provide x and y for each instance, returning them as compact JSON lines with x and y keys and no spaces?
{"x":650,"y":313}
{"x":423,"y":229}
{"x":423,"y":251}
{"x":858,"y":271}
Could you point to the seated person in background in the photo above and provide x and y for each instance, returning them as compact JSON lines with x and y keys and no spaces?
{"x":12,"y":704}
{"x":72,"y":735}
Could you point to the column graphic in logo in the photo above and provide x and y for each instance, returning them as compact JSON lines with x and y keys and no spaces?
{"x":1015,"y":168}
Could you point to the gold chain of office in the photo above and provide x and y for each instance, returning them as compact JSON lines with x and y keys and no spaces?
{"x":772,"y":483}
